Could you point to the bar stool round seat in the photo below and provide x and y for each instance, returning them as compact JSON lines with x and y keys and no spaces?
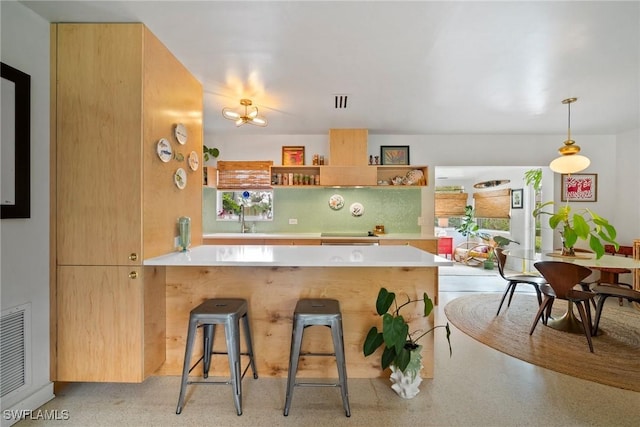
{"x":219,"y":311}
{"x":317,"y":312}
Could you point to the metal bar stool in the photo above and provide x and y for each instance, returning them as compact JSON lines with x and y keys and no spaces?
{"x":212,"y":312}
{"x":311,"y":312}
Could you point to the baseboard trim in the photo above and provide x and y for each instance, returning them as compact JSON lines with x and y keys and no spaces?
{"x":29,"y":403}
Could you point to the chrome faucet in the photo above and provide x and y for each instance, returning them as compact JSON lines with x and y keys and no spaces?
{"x":243,"y":226}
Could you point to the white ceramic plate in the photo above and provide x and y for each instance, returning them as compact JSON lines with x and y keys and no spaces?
{"x":194,"y":162}
{"x":163,"y":148}
{"x":336,"y":202}
{"x":356,"y":209}
{"x":180,"y":132}
{"x":180,"y":178}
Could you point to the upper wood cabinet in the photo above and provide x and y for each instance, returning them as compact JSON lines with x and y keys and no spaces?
{"x":348,"y":147}
{"x":118,"y":92}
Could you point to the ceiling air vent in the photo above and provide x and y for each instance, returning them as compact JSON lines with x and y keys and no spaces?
{"x":341,"y":102}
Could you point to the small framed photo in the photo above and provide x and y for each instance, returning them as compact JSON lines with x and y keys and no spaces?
{"x":516,"y":198}
{"x":581,"y":187}
{"x":292,"y":155}
{"x":394,"y":154}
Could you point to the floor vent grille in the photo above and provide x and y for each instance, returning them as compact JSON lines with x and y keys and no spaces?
{"x":14,"y":344}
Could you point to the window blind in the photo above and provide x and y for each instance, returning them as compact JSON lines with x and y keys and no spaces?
{"x":450,"y":204}
{"x":492,"y":204}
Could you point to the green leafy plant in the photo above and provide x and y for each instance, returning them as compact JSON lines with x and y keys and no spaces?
{"x":398,"y":341}
{"x":468,"y":227}
{"x":229,"y":204}
{"x":533,"y":177}
{"x":583,"y":224}
{"x":210,"y":152}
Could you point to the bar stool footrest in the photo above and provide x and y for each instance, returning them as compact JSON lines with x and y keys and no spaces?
{"x":317,"y":385}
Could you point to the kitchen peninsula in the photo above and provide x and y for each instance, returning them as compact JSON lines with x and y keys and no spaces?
{"x":273,"y":277}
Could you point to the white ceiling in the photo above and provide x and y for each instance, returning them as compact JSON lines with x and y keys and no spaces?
{"x":417,"y":67}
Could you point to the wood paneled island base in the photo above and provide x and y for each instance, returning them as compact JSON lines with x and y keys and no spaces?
{"x":272,"y":293}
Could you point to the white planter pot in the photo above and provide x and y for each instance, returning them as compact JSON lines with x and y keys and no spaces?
{"x":406,"y":383}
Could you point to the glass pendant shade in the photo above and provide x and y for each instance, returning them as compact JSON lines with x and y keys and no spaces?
{"x":569,"y":163}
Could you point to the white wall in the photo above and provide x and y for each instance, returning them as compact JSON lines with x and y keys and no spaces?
{"x":627,"y":183}
{"x":24,"y":265}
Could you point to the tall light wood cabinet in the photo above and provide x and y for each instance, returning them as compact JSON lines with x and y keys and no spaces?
{"x":116,"y":90}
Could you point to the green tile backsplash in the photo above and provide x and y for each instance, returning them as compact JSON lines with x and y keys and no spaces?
{"x":398,"y":209}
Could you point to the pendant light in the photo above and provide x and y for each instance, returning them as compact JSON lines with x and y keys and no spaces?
{"x":250,"y":115}
{"x":569,"y":161}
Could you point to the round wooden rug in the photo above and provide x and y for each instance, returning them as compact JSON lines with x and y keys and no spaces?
{"x":616,"y":357}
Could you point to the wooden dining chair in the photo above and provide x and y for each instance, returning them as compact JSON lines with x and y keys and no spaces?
{"x":562,"y":278}
{"x":514,"y":279}
{"x":611,"y":275}
{"x":605,"y":291}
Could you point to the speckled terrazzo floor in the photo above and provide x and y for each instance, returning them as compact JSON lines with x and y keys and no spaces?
{"x":478,"y":386}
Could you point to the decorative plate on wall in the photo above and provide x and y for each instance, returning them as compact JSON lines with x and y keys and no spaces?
{"x":336,"y":202}
{"x":163,"y":148}
{"x":356,"y":209}
{"x":180,"y":132}
{"x":194,"y":162}
{"x":180,"y":178}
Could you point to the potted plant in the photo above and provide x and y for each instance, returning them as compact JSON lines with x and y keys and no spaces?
{"x":468,"y":227}
{"x":210,"y":152}
{"x":401,"y":349}
{"x":497,"y":242}
{"x":583,"y":224}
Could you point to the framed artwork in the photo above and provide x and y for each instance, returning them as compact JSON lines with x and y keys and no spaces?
{"x":292,"y":155}
{"x":394,"y":154}
{"x":516,"y":198}
{"x":16,"y":143}
{"x":579,"y":187}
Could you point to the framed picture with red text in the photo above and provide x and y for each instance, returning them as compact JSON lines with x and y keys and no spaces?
{"x":579,"y":187}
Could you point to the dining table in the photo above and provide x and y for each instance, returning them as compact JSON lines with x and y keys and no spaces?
{"x":568,"y":322}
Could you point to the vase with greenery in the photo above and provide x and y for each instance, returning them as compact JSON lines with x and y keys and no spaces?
{"x":582,"y":224}
{"x":401,"y":349}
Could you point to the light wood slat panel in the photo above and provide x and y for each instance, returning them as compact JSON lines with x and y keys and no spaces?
{"x":272,"y":294}
{"x":171,"y":95}
{"x":99,"y":155}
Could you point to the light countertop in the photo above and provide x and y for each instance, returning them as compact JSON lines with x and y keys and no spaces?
{"x":301,"y":256}
{"x":389,"y":236}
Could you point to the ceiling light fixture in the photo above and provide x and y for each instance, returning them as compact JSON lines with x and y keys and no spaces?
{"x":250,"y":114}
{"x":569,"y":161}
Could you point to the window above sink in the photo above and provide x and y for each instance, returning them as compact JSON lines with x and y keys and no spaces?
{"x":258,"y":205}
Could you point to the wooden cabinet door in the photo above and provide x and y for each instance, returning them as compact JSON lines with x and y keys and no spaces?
{"x":100,"y":324}
{"x":98,"y":133}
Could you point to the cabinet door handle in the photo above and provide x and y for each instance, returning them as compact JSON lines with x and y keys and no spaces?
{"x":133,"y":256}
{"x":133,"y":275}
